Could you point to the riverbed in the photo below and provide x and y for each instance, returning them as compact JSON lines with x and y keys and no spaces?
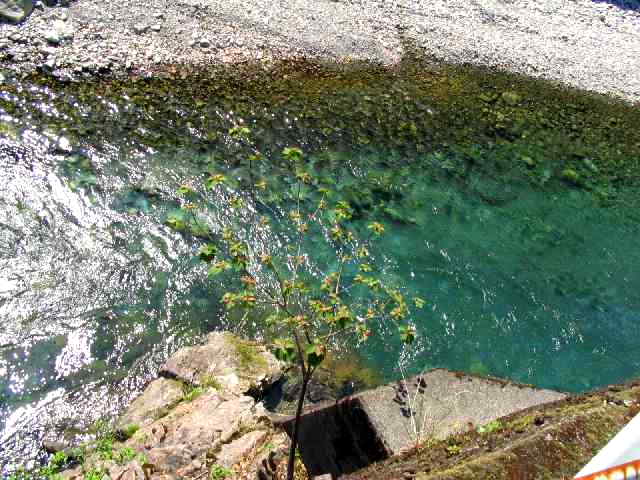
{"x":510,"y":206}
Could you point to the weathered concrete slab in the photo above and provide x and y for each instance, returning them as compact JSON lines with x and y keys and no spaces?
{"x":342,"y":437}
{"x":548,"y":441}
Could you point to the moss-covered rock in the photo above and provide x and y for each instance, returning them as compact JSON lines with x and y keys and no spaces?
{"x":226,"y":361}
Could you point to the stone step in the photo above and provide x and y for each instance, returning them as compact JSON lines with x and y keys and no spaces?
{"x":339,"y":438}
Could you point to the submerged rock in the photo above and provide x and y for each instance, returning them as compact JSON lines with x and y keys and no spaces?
{"x":571,"y":176}
{"x":511,"y":98}
{"x":15,"y":10}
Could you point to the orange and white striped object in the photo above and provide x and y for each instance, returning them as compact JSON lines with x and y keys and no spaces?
{"x":619,"y":459}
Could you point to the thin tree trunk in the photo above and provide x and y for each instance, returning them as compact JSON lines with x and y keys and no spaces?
{"x":296,"y":426}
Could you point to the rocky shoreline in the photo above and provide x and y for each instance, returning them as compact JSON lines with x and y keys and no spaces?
{"x":586,"y":44}
{"x":202,"y":414}
{"x":205,"y":417}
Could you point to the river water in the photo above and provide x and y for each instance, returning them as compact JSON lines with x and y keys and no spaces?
{"x":529,"y":272}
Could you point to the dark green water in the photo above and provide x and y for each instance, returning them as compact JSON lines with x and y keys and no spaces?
{"x":530,"y":272}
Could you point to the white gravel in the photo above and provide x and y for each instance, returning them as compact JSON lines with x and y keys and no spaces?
{"x":593,"y":45}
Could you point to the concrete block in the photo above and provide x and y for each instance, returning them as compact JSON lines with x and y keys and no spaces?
{"x":341,"y":437}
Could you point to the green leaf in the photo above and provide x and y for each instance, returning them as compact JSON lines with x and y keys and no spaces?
{"x":316,"y":353}
{"x":230,"y":300}
{"x":494,"y":426}
{"x":219,"y":267}
{"x":419,"y":302}
{"x":215,"y":180}
{"x":239,"y":132}
{"x":176,"y":223}
{"x":407,"y":333}
{"x":377,"y":228}
{"x":237,"y":203}
{"x":186,"y":191}
{"x":292,"y":154}
{"x":284,"y":350}
{"x":208,"y":252}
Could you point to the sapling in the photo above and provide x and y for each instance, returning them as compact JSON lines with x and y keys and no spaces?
{"x":311,"y":300}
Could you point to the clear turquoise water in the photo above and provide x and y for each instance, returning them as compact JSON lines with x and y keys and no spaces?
{"x":534,"y":284}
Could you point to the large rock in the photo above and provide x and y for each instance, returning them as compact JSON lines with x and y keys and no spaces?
{"x":159,"y":396}
{"x":342,"y":437}
{"x":226,"y":362}
{"x":180,"y":440}
{"x":231,"y":453}
{"x":15,"y":10}
{"x":199,"y":415}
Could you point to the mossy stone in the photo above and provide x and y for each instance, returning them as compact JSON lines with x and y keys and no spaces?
{"x":571,"y":176}
{"x":511,"y":98}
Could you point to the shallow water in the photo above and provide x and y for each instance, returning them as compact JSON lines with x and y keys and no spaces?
{"x":526,"y":276}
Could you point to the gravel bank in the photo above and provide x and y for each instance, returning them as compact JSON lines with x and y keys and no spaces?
{"x":588,"y":44}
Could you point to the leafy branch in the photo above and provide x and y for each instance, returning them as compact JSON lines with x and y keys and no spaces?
{"x":311,"y":303}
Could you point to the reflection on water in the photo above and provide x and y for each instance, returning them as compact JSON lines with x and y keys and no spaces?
{"x":96,"y":290}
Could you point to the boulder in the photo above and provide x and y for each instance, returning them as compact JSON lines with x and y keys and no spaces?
{"x":208,"y":425}
{"x":232,"y":453}
{"x":341,"y":437}
{"x":15,"y":10}
{"x":159,"y":396}
{"x":168,"y":460}
{"x":131,"y":471}
{"x":226,"y":362}
{"x":180,"y":440}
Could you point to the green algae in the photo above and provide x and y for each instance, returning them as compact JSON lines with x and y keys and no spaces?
{"x":545,"y":130}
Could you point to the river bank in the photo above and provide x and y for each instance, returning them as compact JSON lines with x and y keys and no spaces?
{"x":204,"y":416}
{"x":586,"y":44}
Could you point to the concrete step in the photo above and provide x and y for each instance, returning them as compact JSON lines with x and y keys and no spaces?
{"x":339,"y":438}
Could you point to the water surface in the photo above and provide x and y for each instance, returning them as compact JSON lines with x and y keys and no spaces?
{"x":530,"y":271}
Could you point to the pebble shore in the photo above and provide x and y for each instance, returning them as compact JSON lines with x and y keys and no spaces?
{"x":593,"y":45}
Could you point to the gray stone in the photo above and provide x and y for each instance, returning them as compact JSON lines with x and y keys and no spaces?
{"x":131,"y":471}
{"x":140,"y":28}
{"x":342,"y":437}
{"x":177,"y":443}
{"x":167,"y":460}
{"x":59,"y":31}
{"x":207,"y":421}
{"x":52,"y":37}
{"x":63,"y":145}
{"x":157,"y":398}
{"x":15,"y":10}
{"x":227,"y":362}
{"x":232,"y":453}
{"x":17,"y":38}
